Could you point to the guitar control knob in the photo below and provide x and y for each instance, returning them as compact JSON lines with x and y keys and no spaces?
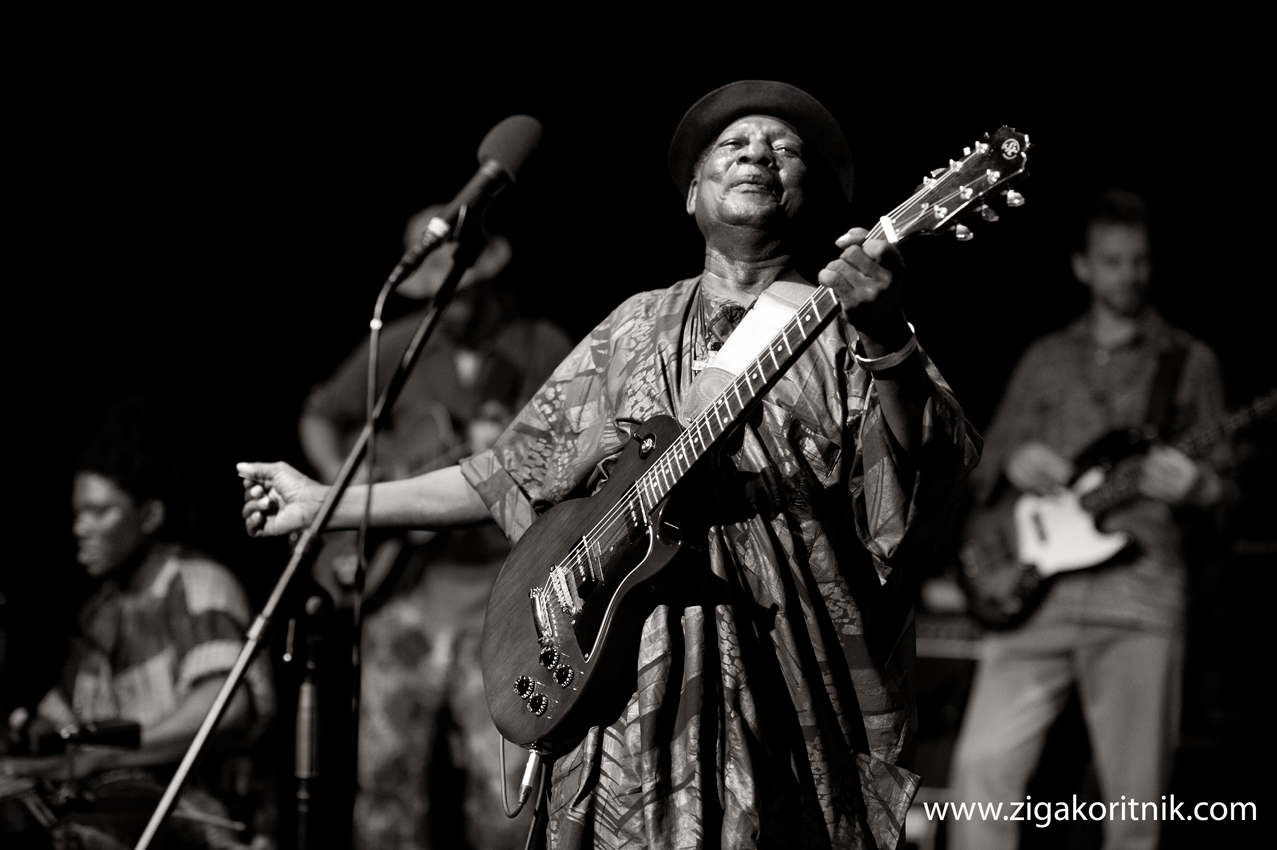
{"x":564,"y":675}
{"x":550,"y":657}
{"x":523,"y":686}
{"x":538,"y":704}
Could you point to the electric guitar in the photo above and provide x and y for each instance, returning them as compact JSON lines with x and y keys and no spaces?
{"x":1015,"y":546}
{"x":565,"y":615}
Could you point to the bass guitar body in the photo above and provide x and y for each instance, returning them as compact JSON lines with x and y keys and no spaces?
{"x":564,"y":620}
{"x":1014,"y":546}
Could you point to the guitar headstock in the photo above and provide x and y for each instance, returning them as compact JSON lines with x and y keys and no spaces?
{"x":988,"y":168}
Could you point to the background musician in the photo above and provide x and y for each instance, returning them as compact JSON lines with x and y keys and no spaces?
{"x":422,"y":709}
{"x":153,"y":645}
{"x":1117,"y":631}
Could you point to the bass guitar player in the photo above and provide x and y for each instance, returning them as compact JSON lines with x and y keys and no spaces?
{"x":1115,"y":630}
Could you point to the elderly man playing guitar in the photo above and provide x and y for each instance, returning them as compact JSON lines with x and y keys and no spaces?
{"x":769,"y":703}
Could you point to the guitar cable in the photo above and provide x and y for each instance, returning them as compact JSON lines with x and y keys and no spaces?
{"x":534,"y":765}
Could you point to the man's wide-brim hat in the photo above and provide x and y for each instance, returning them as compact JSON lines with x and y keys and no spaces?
{"x":709,"y":115}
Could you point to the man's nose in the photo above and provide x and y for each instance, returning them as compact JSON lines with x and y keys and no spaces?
{"x":82,"y":526}
{"x":758,"y":151}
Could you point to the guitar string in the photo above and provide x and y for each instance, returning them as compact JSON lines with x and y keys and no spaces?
{"x":605,"y":529}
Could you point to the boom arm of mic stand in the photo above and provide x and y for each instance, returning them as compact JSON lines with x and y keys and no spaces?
{"x":466,"y":254}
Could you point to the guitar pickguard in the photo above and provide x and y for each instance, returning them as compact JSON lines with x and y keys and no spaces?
{"x":1056,"y":534}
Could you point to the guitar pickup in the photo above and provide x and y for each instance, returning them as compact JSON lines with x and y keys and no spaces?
{"x":567,"y":590}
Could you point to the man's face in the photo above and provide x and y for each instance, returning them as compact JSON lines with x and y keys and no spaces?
{"x":1115,"y":267}
{"x":109,"y":526}
{"x":753,"y":175}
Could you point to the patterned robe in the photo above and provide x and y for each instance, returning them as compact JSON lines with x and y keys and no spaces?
{"x":774,"y":709}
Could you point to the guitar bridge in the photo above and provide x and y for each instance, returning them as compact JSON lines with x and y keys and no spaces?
{"x":546,"y":633}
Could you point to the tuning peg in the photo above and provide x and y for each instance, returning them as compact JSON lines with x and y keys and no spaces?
{"x":987,"y":212}
{"x":963,"y":233}
{"x":1014,"y":198}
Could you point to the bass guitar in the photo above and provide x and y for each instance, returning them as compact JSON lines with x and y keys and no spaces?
{"x":564,"y":618}
{"x":1022,"y":540}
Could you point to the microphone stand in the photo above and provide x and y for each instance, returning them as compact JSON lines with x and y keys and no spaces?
{"x":470,"y":244}
{"x":306,"y":736}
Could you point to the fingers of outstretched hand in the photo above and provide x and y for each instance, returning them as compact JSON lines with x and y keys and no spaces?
{"x":257,"y":473}
{"x":258,"y":504}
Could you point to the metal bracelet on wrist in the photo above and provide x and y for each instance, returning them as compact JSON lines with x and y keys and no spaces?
{"x":877,"y":364}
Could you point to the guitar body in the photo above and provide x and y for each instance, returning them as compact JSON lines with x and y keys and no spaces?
{"x":1001,"y":590}
{"x":1013,"y":547}
{"x":525,"y":651}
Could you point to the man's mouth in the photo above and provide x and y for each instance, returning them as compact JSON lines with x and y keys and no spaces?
{"x":753,"y":184}
{"x":752,"y":177}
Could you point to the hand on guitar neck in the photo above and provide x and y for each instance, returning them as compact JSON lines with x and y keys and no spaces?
{"x":1173,"y":477}
{"x":1166,"y":474}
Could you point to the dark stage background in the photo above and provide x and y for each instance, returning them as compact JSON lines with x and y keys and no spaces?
{"x":206,"y":220}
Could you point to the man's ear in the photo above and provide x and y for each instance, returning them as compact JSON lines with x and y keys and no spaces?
{"x":153,"y":515}
{"x":692,"y":191}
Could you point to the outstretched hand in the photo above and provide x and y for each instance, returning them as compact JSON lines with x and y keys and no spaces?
{"x":866,"y":278}
{"x":278,"y":499}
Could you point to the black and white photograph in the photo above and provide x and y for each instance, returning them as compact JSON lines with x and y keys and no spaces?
{"x":629,"y":428}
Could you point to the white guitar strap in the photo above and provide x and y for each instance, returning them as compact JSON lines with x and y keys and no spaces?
{"x":769,"y":313}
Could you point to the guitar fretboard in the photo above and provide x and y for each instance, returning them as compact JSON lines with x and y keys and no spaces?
{"x":655,"y":484}
{"x":943,"y":195}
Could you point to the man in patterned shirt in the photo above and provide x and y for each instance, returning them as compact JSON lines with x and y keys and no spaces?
{"x":1115,"y":632}
{"x":773,"y":708}
{"x":154,"y":643}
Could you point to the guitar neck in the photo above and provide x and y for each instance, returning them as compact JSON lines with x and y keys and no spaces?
{"x":1122,"y":485}
{"x":946,"y":194}
{"x":1200,"y":437}
{"x":741,"y":395}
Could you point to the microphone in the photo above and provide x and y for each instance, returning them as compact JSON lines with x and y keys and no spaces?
{"x":502,"y":155}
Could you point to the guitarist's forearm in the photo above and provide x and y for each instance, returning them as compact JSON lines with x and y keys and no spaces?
{"x":903,"y":392}
{"x":437,"y":500}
